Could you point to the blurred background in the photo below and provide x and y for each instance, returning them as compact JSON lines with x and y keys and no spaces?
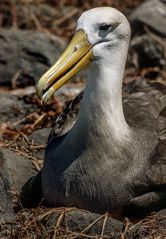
{"x":58,"y":17}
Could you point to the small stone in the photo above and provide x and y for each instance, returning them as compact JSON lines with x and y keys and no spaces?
{"x":17,"y":169}
{"x":13,"y":109}
{"x":77,"y":220}
{"x":150,"y":13}
{"x":40,"y":136}
{"x":149,"y":53}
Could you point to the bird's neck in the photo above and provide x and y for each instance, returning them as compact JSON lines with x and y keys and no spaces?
{"x":101,"y":112}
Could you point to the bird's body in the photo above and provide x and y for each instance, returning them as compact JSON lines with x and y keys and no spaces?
{"x":102,"y":163}
{"x":93,"y":181}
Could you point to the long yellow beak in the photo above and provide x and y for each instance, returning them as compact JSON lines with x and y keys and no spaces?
{"x":77,"y":55}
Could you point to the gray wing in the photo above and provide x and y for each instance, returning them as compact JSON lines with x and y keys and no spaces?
{"x":31,"y":193}
{"x":65,"y":121}
{"x":146,"y":108}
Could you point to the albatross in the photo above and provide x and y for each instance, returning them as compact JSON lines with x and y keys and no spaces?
{"x":99,"y":162}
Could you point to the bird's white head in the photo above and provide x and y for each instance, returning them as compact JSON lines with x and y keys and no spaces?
{"x":105,"y":27}
{"x":99,"y":32}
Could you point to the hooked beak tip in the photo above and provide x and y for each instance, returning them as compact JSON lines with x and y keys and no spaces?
{"x":77,"y":55}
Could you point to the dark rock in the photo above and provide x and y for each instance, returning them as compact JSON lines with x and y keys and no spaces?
{"x":13,"y":109}
{"x":162,"y":213}
{"x":151,"y":13}
{"x":149,"y":53}
{"x":6,"y":206}
{"x":40,"y":136}
{"x":26,"y":55}
{"x":15,"y":170}
{"x":77,"y":220}
{"x":152,"y":226}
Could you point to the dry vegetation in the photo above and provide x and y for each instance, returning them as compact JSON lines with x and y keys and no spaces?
{"x":52,"y":223}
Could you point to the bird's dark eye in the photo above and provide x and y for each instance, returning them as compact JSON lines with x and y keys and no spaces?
{"x":104,"y":27}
